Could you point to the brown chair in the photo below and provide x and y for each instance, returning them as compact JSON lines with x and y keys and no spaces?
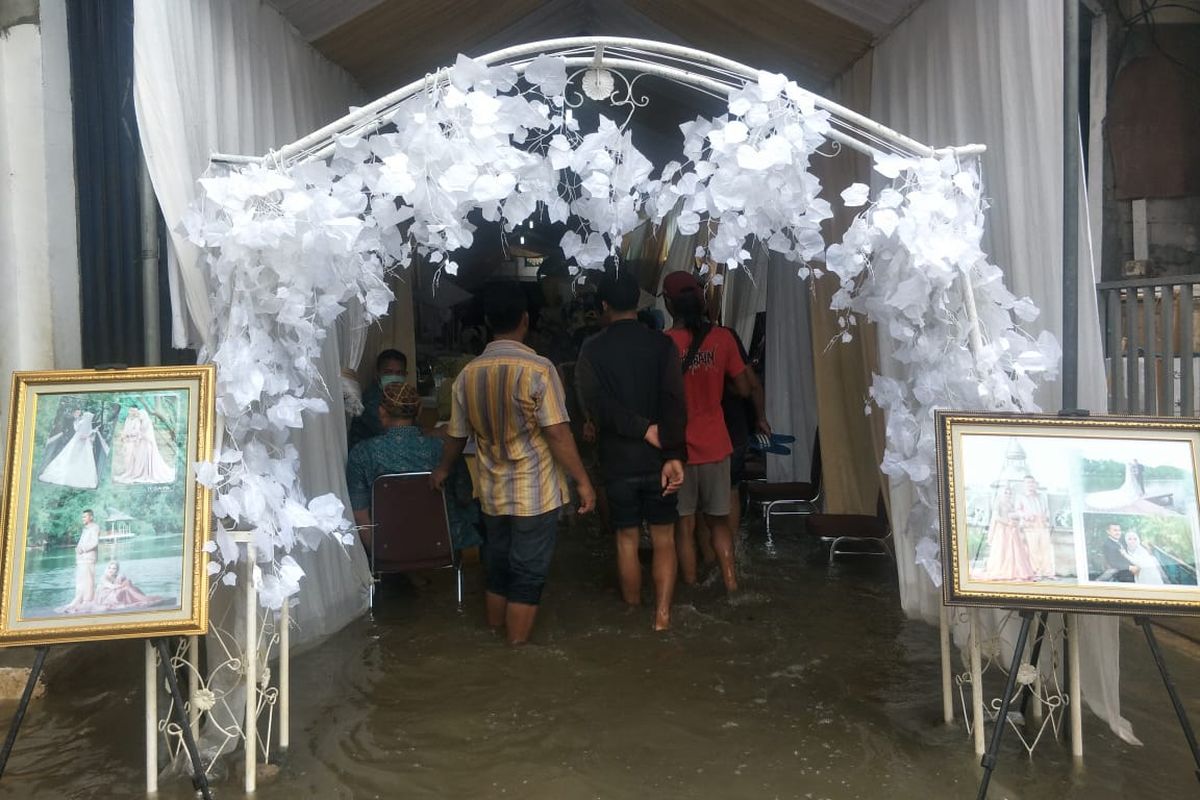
{"x":873,"y":532}
{"x":792,"y":498}
{"x":410,"y":527}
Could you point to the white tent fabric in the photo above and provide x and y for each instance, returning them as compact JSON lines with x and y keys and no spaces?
{"x":791,"y":395}
{"x":230,"y":76}
{"x":980,"y":71}
{"x":39,"y":264}
{"x":220,"y":76}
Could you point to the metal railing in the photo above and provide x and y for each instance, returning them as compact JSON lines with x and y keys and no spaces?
{"x":1149,"y":350}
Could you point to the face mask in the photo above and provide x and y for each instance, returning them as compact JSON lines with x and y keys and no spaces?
{"x":384,"y":380}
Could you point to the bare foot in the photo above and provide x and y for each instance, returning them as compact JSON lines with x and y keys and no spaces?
{"x":662,"y":620}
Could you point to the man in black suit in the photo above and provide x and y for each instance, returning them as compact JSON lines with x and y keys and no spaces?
{"x":1118,"y":567}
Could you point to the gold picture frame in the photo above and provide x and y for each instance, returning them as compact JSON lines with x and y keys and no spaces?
{"x":1070,"y":513}
{"x":104,"y":524}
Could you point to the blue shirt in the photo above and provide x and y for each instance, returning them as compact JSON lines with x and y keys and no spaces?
{"x":406,"y":449}
{"x":402,"y":449}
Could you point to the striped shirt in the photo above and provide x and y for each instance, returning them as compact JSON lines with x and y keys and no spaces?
{"x":505,"y":397}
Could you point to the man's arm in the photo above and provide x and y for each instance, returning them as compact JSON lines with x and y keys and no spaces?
{"x":759,"y":397}
{"x":451,"y":452}
{"x":89,"y":539}
{"x":1115,"y":556}
{"x":603,"y":409}
{"x":672,"y":407}
{"x":562,"y":447}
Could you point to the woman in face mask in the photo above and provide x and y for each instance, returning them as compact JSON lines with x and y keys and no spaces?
{"x":390,"y":367}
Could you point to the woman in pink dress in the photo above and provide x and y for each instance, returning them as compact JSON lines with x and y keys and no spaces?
{"x":118,"y":592}
{"x":1008,"y":552}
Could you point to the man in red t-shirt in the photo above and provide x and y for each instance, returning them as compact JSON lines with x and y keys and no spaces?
{"x":710,"y":356}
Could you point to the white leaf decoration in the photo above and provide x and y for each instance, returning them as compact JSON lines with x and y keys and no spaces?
{"x":856,"y":195}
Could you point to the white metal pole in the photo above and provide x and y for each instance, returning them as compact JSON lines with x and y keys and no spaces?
{"x":250,"y":654}
{"x":284,"y":677}
{"x":976,"y":685}
{"x":1075,"y":702}
{"x":193,"y":683}
{"x":947,"y":687}
{"x":151,"y":719}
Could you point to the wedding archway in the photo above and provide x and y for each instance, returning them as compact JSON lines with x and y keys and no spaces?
{"x":294,"y":239}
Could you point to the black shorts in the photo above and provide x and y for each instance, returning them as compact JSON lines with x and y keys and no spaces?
{"x":638,"y":498}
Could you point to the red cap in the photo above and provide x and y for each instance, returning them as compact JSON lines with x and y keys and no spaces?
{"x":677,"y":284}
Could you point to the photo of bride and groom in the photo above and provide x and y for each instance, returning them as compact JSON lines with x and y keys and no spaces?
{"x":107,"y":504}
{"x":84,"y":440}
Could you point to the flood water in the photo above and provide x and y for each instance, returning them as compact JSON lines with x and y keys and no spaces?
{"x":812,"y":685}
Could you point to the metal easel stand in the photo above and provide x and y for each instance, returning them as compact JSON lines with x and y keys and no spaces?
{"x":989,"y":758}
{"x":235,"y":662}
{"x":1188,"y":732}
{"x":1038,"y":679}
{"x":199,"y":775}
{"x":39,"y":661}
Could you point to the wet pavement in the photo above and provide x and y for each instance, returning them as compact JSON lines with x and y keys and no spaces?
{"x":811,"y":685}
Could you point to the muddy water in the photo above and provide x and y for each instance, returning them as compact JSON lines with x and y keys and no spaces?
{"x":811,"y":686}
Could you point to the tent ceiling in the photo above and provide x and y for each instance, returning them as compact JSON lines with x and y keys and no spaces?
{"x":387,"y":43}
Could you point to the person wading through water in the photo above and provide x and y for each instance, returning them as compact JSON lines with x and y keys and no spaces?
{"x":710,"y":357}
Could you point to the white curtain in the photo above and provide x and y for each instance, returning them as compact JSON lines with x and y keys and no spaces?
{"x":231,"y":76}
{"x":220,"y":76}
{"x":791,"y":395}
{"x":746,"y":295}
{"x":959,"y":71}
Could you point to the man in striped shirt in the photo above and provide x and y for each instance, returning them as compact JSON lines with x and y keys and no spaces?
{"x":511,"y":399}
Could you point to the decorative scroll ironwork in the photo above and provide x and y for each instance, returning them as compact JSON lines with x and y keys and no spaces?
{"x":1048,"y":699}
{"x":216,"y":705}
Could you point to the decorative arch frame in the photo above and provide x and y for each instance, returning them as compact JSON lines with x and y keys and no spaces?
{"x":911,"y":261}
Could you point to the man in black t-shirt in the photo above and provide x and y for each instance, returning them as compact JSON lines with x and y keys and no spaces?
{"x":632,"y":388}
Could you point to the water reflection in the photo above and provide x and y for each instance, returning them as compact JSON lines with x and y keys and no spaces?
{"x":811,"y":685}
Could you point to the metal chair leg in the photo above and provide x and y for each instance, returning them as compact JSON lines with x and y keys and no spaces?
{"x":458,"y":575}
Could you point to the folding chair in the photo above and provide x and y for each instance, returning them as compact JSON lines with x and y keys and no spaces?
{"x":793,"y":498}
{"x":837,"y":529}
{"x":411,"y":530}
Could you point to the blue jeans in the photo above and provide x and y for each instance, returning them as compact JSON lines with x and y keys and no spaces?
{"x":519,"y":550}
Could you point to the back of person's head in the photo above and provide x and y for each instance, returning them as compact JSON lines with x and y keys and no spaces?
{"x":401,"y":401}
{"x":685,"y":301}
{"x":620,"y":291}
{"x":391,"y":355}
{"x":504,"y":306}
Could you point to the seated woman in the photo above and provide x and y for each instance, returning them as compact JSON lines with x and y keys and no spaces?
{"x":116,"y":591}
{"x":402,"y":447}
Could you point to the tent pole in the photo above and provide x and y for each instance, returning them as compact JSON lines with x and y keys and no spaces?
{"x":1070,"y":277}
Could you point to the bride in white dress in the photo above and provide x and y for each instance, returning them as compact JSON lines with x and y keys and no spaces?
{"x":75,"y":464}
{"x":141,"y":461}
{"x":1149,"y":570}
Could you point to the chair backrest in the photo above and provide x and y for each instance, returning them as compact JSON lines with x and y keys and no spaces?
{"x":411,"y":530}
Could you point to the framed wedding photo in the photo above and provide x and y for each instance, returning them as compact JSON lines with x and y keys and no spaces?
{"x":1070,"y":513}
{"x":104,"y":524}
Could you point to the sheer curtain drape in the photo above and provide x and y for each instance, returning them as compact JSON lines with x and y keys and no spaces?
{"x":961,"y":71}
{"x":231,"y":76}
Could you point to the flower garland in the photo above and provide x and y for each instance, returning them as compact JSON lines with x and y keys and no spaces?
{"x":287,"y":249}
{"x":912,"y":263}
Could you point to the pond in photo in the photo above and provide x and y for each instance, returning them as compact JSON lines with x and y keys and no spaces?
{"x":152,"y":565}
